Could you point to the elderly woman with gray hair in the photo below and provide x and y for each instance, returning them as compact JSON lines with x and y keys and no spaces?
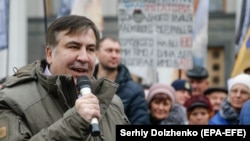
{"x":239,"y":93}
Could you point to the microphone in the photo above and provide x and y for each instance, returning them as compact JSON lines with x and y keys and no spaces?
{"x":83,"y":84}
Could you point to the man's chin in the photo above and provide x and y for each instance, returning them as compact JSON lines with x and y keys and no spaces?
{"x":112,"y":68}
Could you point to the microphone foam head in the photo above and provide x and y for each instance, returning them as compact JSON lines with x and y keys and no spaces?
{"x":83,"y":82}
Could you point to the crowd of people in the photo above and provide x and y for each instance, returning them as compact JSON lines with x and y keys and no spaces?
{"x":44,"y":101}
{"x":203,"y":105}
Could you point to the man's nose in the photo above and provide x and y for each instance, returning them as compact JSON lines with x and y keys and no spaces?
{"x":82,"y":55}
{"x":114,"y":54}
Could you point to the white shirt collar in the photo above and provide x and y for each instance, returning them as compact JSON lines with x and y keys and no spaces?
{"x":46,"y":71}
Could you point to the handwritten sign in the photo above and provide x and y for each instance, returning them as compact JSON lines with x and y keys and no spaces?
{"x":156,"y":33}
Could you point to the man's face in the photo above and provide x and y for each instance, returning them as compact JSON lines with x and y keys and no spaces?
{"x":182,"y":96}
{"x":74,"y":54}
{"x":199,"y":116}
{"x":198,"y":86}
{"x":216,"y":99}
{"x":109,"y":54}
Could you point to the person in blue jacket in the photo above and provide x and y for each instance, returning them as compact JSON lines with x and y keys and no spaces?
{"x":245,"y":114}
{"x":239,"y":93}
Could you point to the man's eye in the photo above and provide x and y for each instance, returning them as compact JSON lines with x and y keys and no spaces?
{"x":74,"y":47}
{"x":92,"y":49}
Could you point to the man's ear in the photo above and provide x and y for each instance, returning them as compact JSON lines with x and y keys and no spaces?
{"x":48,"y":52}
{"x":207,"y":82}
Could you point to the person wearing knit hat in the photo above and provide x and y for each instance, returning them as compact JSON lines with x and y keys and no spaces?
{"x":160,"y":98}
{"x":238,"y":94}
{"x":163,"y":89}
{"x":216,"y":96}
{"x":183,"y":90}
{"x":199,"y":110}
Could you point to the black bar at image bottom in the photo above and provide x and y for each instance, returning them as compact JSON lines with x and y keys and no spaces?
{"x":194,"y":132}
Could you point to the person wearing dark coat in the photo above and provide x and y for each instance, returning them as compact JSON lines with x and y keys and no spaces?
{"x":42,"y":101}
{"x":131,"y":93}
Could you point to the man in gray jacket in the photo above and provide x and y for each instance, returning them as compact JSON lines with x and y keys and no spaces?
{"x":41,"y":101}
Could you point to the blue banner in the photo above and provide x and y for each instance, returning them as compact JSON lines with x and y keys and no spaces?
{"x":4,"y":8}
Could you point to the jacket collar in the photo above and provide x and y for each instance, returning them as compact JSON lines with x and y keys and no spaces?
{"x":229,"y":113}
{"x":62,"y":86}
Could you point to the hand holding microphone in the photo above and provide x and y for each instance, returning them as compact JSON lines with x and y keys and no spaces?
{"x":88,"y":105}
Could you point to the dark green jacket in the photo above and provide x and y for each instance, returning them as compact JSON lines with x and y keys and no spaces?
{"x":37,"y":107}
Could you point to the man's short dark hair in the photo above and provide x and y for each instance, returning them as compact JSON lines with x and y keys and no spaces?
{"x":105,"y":38}
{"x":72,"y":23}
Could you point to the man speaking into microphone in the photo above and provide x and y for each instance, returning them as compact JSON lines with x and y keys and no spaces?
{"x":44,"y":100}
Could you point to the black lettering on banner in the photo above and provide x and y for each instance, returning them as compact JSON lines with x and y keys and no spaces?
{"x":157,"y":17}
{"x":168,"y":63}
{"x":138,"y":62}
{"x":174,"y":29}
{"x":166,"y":54}
{"x":135,"y":28}
{"x":171,"y":43}
{"x":174,"y":58}
{"x":134,"y":42}
{"x":181,"y":17}
{"x":142,"y":52}
{"x":126,"y":52}
{"x":163,"y":36}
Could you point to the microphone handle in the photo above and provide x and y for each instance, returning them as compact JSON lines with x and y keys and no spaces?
{"x":94,"y":128}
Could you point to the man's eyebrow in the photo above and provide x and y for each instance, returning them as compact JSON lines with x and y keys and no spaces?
{"x":80,"y":44}
{"x":90,"y":45}
{"x":73,"y":42}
